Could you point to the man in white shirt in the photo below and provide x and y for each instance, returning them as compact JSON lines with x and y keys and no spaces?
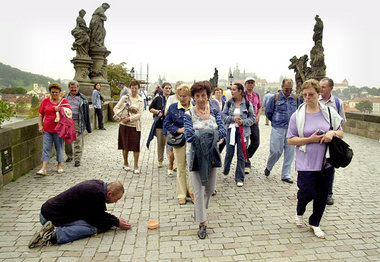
{"x":328,"y":99}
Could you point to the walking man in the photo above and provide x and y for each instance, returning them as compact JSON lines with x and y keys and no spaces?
{"x":79,"y":212}
{"x":279,"y":110}
{"x":124,"y":90}
{"x":254,"y":138}
{"x":267,"y":95}
{"x":328,"y":99}
{"x":81,"y":116}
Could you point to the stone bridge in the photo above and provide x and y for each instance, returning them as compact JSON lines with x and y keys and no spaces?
{"x":254,"y":222}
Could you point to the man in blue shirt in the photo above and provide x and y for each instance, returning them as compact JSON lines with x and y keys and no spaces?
{"x":267,"y":96}
{"x":279,"y":110}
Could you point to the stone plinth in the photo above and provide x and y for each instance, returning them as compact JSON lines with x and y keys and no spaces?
{"x":98,"y":72}
{"x":82,"y":67}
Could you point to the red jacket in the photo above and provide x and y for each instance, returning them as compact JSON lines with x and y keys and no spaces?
{"x":65,"y":127}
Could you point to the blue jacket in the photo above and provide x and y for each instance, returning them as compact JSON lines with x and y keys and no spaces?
{"x":279,"y":114}
{"x":204,"y":149}
{"x":174,"y":118}
{"x":84,"y":113}
{"x":96,"y":100}
{"x":247,"y":115}
{"x":266,"y":99}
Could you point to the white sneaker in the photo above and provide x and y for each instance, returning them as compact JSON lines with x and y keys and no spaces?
{"x":170,"y":173}
{"x":240,"y":184}
{"x":127,"y":168}
{"x":246,"y":170}
{"x":299,"y":221}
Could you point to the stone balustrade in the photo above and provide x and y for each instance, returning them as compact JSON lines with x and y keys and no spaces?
{"x":21,"y":146}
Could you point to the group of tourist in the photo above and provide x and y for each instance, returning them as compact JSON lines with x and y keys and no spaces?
{"x":208,"y":125}
{"x":63,"y":120}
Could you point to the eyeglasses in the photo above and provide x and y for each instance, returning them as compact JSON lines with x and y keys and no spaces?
{"x":309,"y":94}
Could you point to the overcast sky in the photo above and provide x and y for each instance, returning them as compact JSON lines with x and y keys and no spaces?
{"x":185,"y":40}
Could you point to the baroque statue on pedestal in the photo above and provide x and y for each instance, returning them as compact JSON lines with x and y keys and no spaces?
{"x":98,"y":32}
{"x":81,"y":34}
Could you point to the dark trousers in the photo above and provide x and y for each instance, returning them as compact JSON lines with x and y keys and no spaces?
{"x":330,"y":194}
{"x":99,"y":113}
{"x":254,"y":142}
{"x":313,"y":185}
{"x":222,"y":145}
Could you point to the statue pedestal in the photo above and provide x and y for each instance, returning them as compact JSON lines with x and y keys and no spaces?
{"x":82,"y":67}
{"x":99,"y":70}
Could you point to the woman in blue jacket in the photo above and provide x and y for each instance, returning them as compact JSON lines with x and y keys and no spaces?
{"x":237,"y":112}
{"x":203,"y":128}
{"x":173,"y":124}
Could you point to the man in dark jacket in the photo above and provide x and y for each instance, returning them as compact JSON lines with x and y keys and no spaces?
{"x":81,"y":116}
{"x":79,"y":212}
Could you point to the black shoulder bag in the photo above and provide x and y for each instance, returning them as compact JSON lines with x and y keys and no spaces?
{"x":340,"y":152}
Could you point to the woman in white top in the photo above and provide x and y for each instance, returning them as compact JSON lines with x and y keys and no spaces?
{"x":130,"y":126}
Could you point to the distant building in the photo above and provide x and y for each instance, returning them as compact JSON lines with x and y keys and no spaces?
{"x":347,"y":108}
{"x":239,"y":77}
{"x":376,"y":102}
{"x":37,"y":90}
{"x":341,"y":86}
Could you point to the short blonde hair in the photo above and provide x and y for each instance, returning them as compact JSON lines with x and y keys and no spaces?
{"x":312,"y":83}
{"x":185,"y":88}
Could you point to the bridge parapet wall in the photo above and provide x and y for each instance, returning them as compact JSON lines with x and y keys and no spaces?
{"x":21,"y":146}
{"x":363,"y":125}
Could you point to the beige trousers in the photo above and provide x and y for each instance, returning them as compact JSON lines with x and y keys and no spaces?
{"x":161,"y":143}
{"x":184,"y":185}
{"x":77,"y":144}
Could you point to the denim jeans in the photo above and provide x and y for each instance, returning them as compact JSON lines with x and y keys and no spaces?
{"x":278,"y":144}
{"x":72,"y":231}
{"x":99,"y":113}
{"x":47,"y":145}
{"x":230,"y":150}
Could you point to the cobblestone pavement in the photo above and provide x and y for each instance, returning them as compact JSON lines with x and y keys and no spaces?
{"x":254,"y":222}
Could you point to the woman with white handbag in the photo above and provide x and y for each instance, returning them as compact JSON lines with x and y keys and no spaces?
{"x":128,"y":112}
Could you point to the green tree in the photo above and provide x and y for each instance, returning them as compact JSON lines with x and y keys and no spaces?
{"x":16,"y":90}
{"x":33,"y":112}
{"x":5,"y":111}
{"x":35,"y":102}
{"x":117,"y":73}
{"x":365,"y":106}
{"x":20,"y":106}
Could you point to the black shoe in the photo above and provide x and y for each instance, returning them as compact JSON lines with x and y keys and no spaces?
{"x":77,"y":163}
{"x":330,"y":201}
{"x":102,"y":128}
{"x":214,"y":193}
{"x":69,"y":159}
{"x":287,"y":180}
{"x":202,"y":232}
{"x":266,"y":172}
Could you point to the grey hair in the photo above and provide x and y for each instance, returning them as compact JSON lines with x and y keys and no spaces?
{"x":73,"y":82}
{"x":177,"y":84}
{"x":287,"y":80}
{"x":329,"y":81}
